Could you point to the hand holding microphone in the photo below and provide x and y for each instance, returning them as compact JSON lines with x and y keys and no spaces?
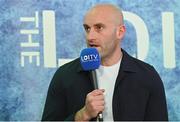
{"x":90,"y":61}
{"x":94,"y":104}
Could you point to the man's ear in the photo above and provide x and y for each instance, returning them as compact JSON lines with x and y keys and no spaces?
{"x":121,"y":30}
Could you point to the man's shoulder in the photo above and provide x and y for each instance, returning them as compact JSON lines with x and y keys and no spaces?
{"x":66,"y":72}
{"x":143,"y":65}
{"x":138,"y":64}
{"x":144,"y":71}
{"x":71,"y":66}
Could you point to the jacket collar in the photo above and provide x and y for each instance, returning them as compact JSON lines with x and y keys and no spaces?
{"x":127,"y":67}
{"x":127,"y":63}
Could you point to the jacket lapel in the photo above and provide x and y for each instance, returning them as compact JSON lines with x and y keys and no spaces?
{"x":127,"y":66}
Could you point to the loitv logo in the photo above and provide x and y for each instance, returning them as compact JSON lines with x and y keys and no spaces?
{"x":89,"y":58}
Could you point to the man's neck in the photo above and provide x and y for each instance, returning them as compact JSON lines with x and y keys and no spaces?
{"x":113,"y":59}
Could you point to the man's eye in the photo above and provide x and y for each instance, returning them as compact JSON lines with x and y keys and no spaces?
{"x":99,"y":28}
{"x":87,"y":29}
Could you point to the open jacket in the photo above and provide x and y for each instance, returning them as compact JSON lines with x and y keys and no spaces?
{"x":138,"y":93}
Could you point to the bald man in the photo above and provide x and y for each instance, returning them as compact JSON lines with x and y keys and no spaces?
{"x":129,"y":89}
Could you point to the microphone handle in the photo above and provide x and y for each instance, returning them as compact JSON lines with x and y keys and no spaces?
{"x":94,"y":78}
{"x":95,"y":84}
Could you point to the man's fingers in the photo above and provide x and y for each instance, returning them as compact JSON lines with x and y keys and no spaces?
{"x":99,"y":97}
{"x":95,"y":97}
{"x":97,"y":92}
{"x":99,"y":103}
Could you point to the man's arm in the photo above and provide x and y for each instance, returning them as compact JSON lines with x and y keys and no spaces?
{"x":156,"y":107}
{"x":56,"y":102}
{"x":55,"y":105}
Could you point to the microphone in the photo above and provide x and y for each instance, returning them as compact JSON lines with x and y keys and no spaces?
{"x":90,"y":61}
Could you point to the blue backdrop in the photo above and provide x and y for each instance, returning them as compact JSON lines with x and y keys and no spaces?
{"x":37,"y":36}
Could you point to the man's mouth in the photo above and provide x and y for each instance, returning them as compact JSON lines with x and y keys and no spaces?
{"x":93,"y":45}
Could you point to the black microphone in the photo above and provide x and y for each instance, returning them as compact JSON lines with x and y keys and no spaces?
{"x":95,"y":84}
{"x":90,"y":61}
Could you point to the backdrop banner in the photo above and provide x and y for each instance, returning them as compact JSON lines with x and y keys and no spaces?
{"x":38,"y":36}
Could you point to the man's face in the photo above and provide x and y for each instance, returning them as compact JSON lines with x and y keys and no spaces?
{"x":101,"y":32}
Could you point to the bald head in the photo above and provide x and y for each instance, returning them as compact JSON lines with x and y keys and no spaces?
{"x":104,"y":29}
{"x":109,"y":10}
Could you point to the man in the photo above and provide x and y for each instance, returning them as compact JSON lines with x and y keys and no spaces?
{"x":129,"y":88}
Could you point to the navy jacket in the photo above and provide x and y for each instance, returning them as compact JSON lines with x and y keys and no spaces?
{"x":138,"y":95}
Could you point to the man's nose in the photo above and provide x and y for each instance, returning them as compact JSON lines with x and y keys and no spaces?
{"x":91,"y":35}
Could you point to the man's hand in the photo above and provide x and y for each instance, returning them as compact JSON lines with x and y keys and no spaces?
{"x":93,"y":106}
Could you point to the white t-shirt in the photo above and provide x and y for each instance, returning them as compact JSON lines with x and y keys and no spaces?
{"x":106,"y":76}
